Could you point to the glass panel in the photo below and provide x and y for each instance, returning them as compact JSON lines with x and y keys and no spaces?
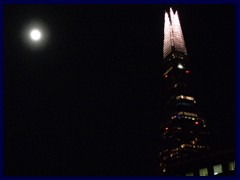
{"x":203,"y":172}
{"x":217,"y":169}
{"x":231,"y":166}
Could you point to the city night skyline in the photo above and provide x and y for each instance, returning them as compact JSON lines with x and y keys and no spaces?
{"x":87,"y":101}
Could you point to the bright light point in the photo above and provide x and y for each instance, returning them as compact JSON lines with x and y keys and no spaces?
{"x":196,"y":123}
{"x":187,"y":71}
{"x":35,"y":35}
{"x":180,"y":66}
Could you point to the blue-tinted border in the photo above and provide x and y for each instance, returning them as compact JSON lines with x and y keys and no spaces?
{"x":1,"y":88}
{"x":236,"y":2}
{"x":122,"y":1}
{"x":237,"y":79}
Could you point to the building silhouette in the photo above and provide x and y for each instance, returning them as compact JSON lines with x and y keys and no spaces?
{"x":184,"y":131}
{"x":184,"y":146}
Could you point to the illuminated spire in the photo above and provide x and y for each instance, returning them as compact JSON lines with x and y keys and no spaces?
{"x":167,"y":42}
{"x":173,"y":36}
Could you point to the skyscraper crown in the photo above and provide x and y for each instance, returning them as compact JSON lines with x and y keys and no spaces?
{"x":173,"y":36}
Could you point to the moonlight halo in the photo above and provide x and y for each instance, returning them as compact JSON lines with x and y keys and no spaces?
{"x":35,"y":34}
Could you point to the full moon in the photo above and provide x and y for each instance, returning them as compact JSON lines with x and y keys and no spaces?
{"x":35,"y":35}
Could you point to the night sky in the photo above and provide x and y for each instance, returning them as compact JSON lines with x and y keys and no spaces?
{"x":88,"y":100}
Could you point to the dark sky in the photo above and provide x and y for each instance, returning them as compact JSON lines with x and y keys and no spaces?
{"x":88,"y":101}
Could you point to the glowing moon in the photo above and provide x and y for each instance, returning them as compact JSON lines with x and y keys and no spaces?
{"x":35,"y":35}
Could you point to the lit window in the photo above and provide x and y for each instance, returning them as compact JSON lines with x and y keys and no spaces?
{"x":193,"y":142}
{"x":179,"y":128}
{"x":217,"y":169}
{"x":189,"y":174}
{"x":203,"y":172}
{"x":231,"y":166}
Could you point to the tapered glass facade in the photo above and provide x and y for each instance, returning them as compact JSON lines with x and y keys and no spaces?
{"x":184,"y":131}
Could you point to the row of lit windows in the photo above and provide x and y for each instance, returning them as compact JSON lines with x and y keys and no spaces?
{"x":187,"y":114}
{"x":217,"y":169}
{"x":193,"y":145}
{"x":185,"y":97}
{"x":175,"y":151}
{"x":186,"y":117}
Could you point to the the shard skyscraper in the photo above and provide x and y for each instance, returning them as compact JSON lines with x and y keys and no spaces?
{"x":183,"y":131}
